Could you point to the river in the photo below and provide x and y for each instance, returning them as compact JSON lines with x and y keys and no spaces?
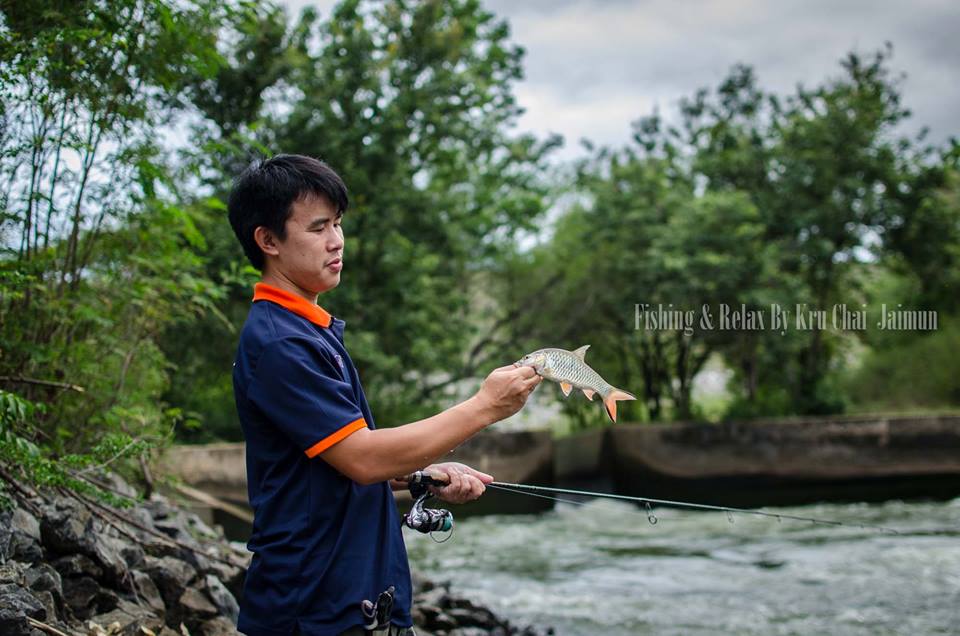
{"x":600,"y":568}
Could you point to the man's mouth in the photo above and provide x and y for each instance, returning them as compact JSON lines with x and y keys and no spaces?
{"x":336,"y":264}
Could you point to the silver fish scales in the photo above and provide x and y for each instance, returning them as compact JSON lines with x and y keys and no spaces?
{"x":569,"y":370}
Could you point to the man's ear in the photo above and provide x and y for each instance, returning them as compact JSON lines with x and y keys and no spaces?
{"x":266,"y":240}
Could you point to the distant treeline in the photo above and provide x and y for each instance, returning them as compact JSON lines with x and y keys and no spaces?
{"x":122,"y":287}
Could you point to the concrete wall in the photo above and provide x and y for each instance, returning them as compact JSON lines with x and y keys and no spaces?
{"x":790,"y":461}
{"x":786,"y":461}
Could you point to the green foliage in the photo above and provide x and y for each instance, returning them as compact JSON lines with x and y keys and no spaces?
{"x":921,"y":371}
{"x":122,"y":287}
{"x":752,"y":200}
{"x":97,"y":255}
{"x":411,"y":104}
{"x":35,"y":467}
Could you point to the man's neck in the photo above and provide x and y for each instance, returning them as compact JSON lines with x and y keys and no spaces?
{"x":278,"y":280}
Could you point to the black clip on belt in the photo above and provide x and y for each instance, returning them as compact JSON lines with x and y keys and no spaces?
{"x":376,"y":616}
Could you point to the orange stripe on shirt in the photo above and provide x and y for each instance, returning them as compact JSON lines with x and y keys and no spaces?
{"x":335,"y":437}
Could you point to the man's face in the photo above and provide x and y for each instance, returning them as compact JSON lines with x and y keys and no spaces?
{"x":311,"y":255}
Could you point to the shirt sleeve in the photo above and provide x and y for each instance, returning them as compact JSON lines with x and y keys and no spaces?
{"x":297,"y":387}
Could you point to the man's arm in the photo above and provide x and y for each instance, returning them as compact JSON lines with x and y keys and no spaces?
{"x":371,"y":456}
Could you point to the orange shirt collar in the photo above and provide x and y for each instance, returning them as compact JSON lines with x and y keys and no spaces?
{"x":300,"y":306}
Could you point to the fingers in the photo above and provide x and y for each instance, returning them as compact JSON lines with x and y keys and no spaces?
{"x":465,"y":483}
{"x":526,"y":372}
{"x":439,"y":476}
{"x":522,"y":371}
{"x":483,"y":477}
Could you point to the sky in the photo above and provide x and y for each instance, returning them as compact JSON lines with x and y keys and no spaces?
{"x":594,"y":66}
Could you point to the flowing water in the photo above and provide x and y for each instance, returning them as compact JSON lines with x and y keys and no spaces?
{"x":601,"y":568}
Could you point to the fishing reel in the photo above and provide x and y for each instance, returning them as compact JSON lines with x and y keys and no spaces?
{"x":426,"y":520}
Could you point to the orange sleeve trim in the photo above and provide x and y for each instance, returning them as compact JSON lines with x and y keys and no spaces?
{"x":335,"y":437}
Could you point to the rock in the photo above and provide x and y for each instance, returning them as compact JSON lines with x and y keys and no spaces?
{"x":16,"y":605}
{"x":23,"y":521}
{"x":175,"y":528}
{"x":20,"y":536}
{"x":198,"y":528}
{"x":26,"y":549}
{"x":192,"y":609}
{"x":421,"y":583}
{"x":77,"y":565}
{"x":471,"y":631}
{"x":231,"y":576}
{"x":79,"y":594}
{"x":68,"y":528}
{"x":63,"y":527}
{"x":197,"y":560}
{"x":42,"y":577}
{"x":142,"y":516}
{"x":159,"y":507}
{"x":11,"y":573}
{"x":472,"y":618}
{"x":171,"y":576}
{"x":13,"y":623}
{"x":44,"y":580}
{"x":105,"y":550}
{"x":82,"y":576}
{"x":129,"y":619}
{"x":195,"y":603}
{"x":435,"y":596}
{"x":106,"y":600}
{"x":224,"y":601}
{"x":49,"y":603}
{"x":219,"y":627}
{"x":435,"y":619}
{"x":131,"y":553}
{"x":148,"y":592}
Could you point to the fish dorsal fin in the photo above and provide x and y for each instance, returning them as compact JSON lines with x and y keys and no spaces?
{"x":581,"y":352}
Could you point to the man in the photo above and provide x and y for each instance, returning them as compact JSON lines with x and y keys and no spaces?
{"x":326,"y":533}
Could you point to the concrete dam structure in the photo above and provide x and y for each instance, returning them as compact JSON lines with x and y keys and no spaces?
{"x":745,"y":464}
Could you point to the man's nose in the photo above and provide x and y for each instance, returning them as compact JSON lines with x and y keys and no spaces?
{"x":335,"y":244}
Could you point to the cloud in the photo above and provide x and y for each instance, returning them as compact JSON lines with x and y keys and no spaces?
{"x":616,"y":59}
{"x":594,"y":66}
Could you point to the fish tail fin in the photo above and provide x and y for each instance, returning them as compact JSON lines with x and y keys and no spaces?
{"x":610,"y":402}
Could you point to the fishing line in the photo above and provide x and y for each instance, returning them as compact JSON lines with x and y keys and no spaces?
{"x":524,"y":489}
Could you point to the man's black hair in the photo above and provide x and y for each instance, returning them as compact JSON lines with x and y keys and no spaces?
{"x":264,"y":193}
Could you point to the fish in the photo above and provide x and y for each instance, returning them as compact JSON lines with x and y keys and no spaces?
{"x":569,"y":370}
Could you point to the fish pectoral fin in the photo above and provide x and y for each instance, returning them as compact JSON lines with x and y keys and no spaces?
{"x":589,"y":393}
{"x":566,"y":387}
{"x":610,"y":402}
{"x":581,"y":352}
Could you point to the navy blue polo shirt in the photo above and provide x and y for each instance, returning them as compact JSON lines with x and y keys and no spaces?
{"x":321,"y":542}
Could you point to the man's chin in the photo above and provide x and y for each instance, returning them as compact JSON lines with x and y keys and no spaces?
{"x":329,"y":283}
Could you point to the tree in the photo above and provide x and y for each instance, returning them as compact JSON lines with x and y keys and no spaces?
{"x":96,"y":257}
{"x":411,"y":103}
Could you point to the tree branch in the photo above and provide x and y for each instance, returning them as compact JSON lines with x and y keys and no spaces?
{"x":25,"y":380}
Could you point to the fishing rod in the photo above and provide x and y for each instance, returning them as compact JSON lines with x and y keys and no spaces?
{"x":525,"y":489}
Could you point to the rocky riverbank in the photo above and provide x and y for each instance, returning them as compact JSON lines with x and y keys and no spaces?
{"x":70,"y":565}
